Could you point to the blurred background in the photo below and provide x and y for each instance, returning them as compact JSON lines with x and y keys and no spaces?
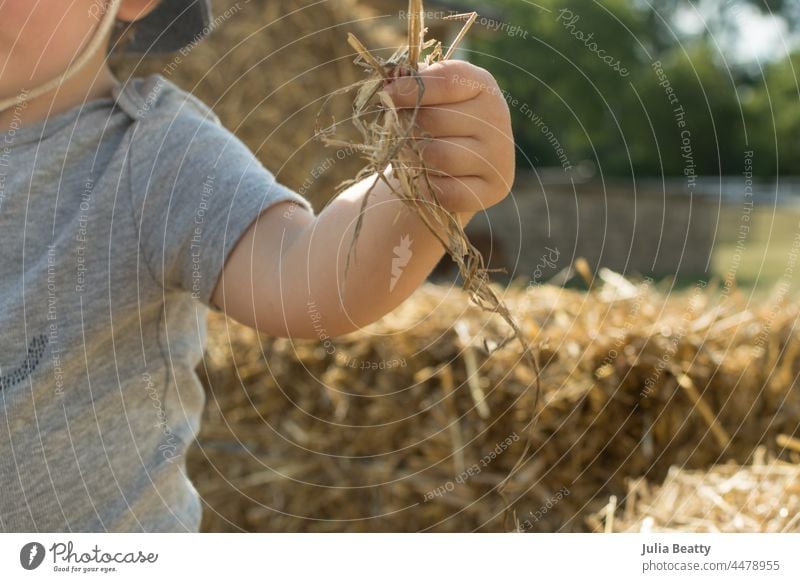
{"x":674,"y":117}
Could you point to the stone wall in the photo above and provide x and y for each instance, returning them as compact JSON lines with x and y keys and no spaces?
{"x":539,"y":230}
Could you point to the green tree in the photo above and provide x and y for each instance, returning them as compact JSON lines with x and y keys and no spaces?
{"x":773,"y":119}
{"x":570,"y":73}
{"x":614,"y":83}
{"x":706,"y":99}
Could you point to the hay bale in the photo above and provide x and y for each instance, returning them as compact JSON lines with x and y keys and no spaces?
{"x":378,"y":431}
{"x":730,"y":498}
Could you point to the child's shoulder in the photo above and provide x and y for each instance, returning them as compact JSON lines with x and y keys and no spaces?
{"x":144,"y":97}
{"x":174,"y":129}
{"x":154,"y":100}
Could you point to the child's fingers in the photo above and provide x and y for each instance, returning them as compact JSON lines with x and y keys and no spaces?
{"x":464,"y":194}
{"x":455,"y":156}
{"x":454,"y":120}
{"x":445,"y":82}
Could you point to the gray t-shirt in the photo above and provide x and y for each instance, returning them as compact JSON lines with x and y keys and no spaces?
{"x":115,"y":221}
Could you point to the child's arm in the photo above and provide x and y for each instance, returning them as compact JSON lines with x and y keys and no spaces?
{"x":285,"y":275}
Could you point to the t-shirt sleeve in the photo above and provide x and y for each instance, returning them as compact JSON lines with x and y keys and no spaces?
{"x":195,"y":189}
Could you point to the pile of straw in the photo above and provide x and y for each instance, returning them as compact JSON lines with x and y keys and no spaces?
{"x":412,"y":423}
{"x":730,"y":498}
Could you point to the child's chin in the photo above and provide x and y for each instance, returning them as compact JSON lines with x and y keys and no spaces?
{"x":12,"y":83}
{"x":11,"y":86}
{"x":6,"y":91}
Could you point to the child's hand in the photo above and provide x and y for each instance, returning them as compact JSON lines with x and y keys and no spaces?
{"x":290,"y":260}
{"x":472,"y":150}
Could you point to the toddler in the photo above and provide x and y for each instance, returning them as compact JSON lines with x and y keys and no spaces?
{"x":127,"y":212}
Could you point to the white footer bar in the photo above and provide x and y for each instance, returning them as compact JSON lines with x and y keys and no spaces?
{"x":401,"y":557}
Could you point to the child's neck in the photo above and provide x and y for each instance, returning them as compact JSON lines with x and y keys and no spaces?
{"x":88,"y":84}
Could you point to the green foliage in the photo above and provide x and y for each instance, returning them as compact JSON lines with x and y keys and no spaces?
{"x":613,"y":83}
{"x":773,"y":118}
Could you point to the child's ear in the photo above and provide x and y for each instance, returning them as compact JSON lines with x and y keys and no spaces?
{"x":133,"y":10}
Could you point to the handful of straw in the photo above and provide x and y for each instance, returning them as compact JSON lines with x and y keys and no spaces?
{"x":391,"y":151}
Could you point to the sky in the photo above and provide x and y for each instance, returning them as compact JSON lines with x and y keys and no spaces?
{"x":758,"y":36}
